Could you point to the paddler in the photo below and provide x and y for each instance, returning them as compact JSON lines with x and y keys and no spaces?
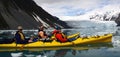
{"x":61,"y":37}
{"x":42,"y":34}
{"x":20,"y":37}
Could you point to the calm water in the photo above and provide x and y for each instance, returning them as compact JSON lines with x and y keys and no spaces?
{"x":90,"y":50}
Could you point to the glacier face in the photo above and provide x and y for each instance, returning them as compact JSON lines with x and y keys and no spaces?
{"x":88,"y":27}
{"x":93,"y":24}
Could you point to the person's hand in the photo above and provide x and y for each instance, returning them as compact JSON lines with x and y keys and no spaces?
{"x":30,"y":40}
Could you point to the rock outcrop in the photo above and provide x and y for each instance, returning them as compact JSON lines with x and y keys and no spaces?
{"x":26,"y":13}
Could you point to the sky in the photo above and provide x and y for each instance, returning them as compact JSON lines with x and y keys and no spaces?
{"x":76,"y":7}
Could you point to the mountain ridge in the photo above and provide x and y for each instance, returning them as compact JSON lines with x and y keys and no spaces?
{"x":27,"y":14}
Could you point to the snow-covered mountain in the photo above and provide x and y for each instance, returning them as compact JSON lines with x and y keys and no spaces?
{"x":107,"y":13}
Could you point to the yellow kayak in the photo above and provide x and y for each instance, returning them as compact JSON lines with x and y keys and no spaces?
{"x":54,"y":43}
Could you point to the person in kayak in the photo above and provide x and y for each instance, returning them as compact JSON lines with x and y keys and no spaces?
{"x":61,"y":37}
{"x":42,"y":34}
{"x":20,"y":37}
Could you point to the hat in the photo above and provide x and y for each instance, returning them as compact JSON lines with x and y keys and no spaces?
{"x":19,"y":27}
{"x":55,"y":31}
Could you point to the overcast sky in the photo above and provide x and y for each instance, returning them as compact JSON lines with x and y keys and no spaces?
{"x":75,"y":7}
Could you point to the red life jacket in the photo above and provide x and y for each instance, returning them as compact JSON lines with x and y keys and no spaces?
{"x":60,"y":37}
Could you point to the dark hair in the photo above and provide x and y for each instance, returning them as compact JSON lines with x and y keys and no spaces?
{"x":40,"y":30}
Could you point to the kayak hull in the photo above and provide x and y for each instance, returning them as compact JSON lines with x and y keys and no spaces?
{"x":54,"y":43}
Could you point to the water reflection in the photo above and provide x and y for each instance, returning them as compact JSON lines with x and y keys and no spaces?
{"x":55,"y":52}
{"x":61,"y":53}
{"x":67,"y":52}
{"x":79,"y":51}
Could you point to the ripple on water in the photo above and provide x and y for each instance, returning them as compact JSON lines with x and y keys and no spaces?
{"x":116,"y":41}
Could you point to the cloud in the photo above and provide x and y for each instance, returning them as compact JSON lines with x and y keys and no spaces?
{"x":113,"y":10}
{"x":113,"y":1}
{"x":73,"y":7}
{"x":63,"y":7}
